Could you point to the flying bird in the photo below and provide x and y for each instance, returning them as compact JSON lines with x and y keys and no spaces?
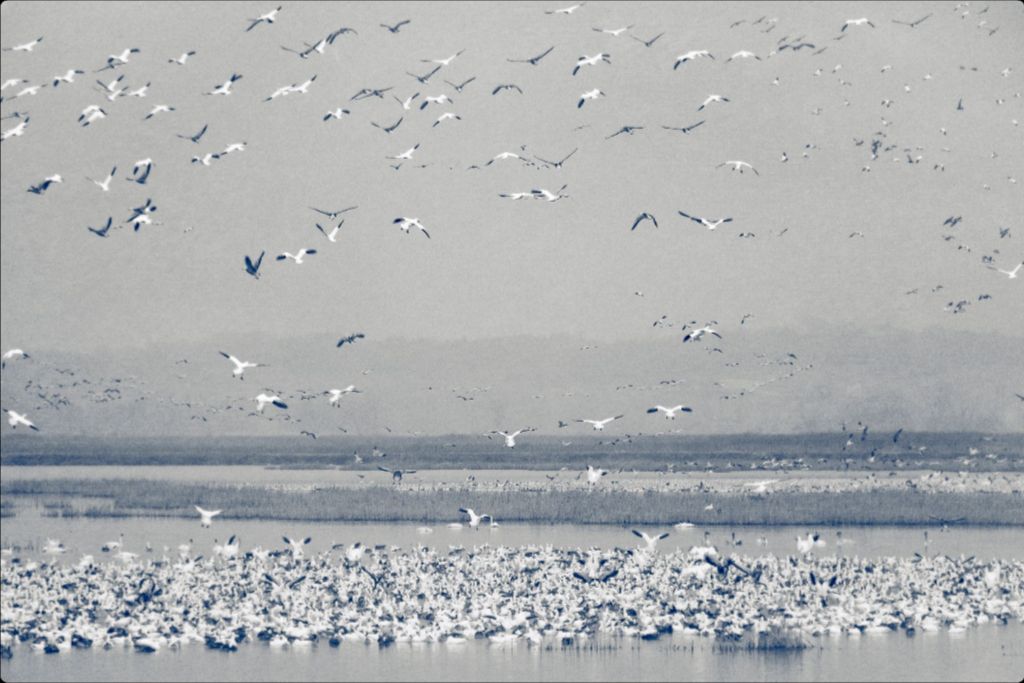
{"x":182,"y":59}
{"x":253,"y":267}
{"x":856,"y":22}
{"x":589,"y":95}
{"x":105,"y":185}
{"x":240,"y":365}
{"x":709,"y":224}
{"x":333,"y":214}
{"x":644,"y":217}
{"x":591,"y":61}
{"x":738,"y":166}
{"x":194,"y":138}
{"x":269,"y":17}
{"x":14,"y":419}
{"x":397,"y":27}
{"x":651,"y":541}
{"x":696,"y":334}
{"x":331,"y":236}
{"x":67,"y":77}
{"x":566,"y":10}
{"x":24,"y":47}
{"x":684,"y":129}
{"x":45,"y":184}
{"x":158,"y":109}
{"x":692,"y":54}
{"x":350,"y":339}
{"x":533,"y":60}
{"x":11,"y":354}
{"x":406,"y":223}
{"x":302,"y":253}
{"x":598,"y":425}
{"x":712,"y":98}
{"x":647,"y":43}
{"x":388,"y":129}
{"x":670,"y":413}
{"x":206,"y":516}
{"x":102,"y":232}
{"x":506,"y":86}
{"x":225,"y":87}
{"x":263,"y":399}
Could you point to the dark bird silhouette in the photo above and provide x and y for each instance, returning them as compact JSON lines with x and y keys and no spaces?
{"x":506,"y":86}
{"x":102,"y":232}
{"x":642,"y":217}
{"x":397,"y":27}
{"x":253,"y":268}
{"x":460,"y":86}
{"x":388,"y":129}
{"x":333,"y":214}
{"x":533,"y":60}
{"x":194,"y":138}
{"x":647,"y":43}
{"x":684,"y":129}
{"x":351,"y":339}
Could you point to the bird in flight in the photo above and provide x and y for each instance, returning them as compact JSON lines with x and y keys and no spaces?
{"x":396,"y":475}
{"x":598,"y":425}
{"x":253,"y":267}
{"x":591,"y":61}
{"x":331,"y":236}
{"x":11,"y":354}
{"x":336,"y":394}
{"x":263,"y":399}
{"x":182,"y":59}
{"x":240,"y":365}
{"x":397,"y":27}
{"x":738,"y":166}
{"x":506,"y":86}
{"x":296,"y":257}
{"x":557,"y":164}
{"x":194,"y":138}
{"x":269,"y":17}
{"x":684,"y":129}
{"x":856,"y":22}
{"x":14,"y":419}
{"x":458,"y":87}
{"x":629,"y":130}
{"x":549,"y":196}
{"x":24,"y":47}
{"x":565,"y":10}
{"x":743,"y":54}
{"x":446,"y":61}
{"x":102,"y":232}
{"x":333,"y":214}
{"x":651,"y":541}
{"x":692,"y":54}
{"x":589,"y":95}
{"x":911,"y":24}
{"x":350,"y":339}
{"x":670,"y":413}
{"x":696,"y":334}
{"x":644,"y":217}
{"x":1012,"y":274}
{"x":709,"y":224}
{"x":206,"y":516}
{"x":406,"y":223}
{"x":225,"y":87}
{"x":533,"y":60}
{"x":45,"y":184}
{"x":105,"y":185}
{"x":710,"y":99}
{"x":647,"y":43}
{"x":510,"y":439}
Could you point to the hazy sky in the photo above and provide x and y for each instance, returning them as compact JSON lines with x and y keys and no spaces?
{"x":496,"y":267}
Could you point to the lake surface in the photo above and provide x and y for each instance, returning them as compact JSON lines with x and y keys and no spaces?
{"x":987,"y":653}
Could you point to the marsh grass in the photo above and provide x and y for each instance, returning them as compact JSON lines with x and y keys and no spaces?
{"x":581,"y":506}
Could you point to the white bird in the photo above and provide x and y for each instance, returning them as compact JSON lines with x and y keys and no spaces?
{"x":614,"y":31}
{"x":856,"y":22}
{"x":24,"y":47}
{"x":440,"y":99}
{"x":263,"y":399}
{"x":651,"y":541}
{"x":30,"y":90}
{"x":446,"y":116}
{"x":11,"y":354}
{"x":670,"y":413}
{"x":234,"y":147}
{"x":743,"y":54}
{"x":139,"y":92}
{"x":269,"y":17}
{"x":760,"y":486}
{"x":510,"y":439}
{"x":105,"y":185}
{"x":517,"y":195}
{"x":53,"y":547}
{"x":692,"y":54}
{"x":68,"y":77}
{"x":695,"y":335}
{"x":331,"y":236}
{"x":564,"y":10}
{"x":336,"y":114}
{"x":806,"y":545}
{"x":95,"y":114}
{"x":182,"y":59}
{"x":406,"y":223}
{"x":354,"y":553}
{"x":228,"y":550}
{"x":712,"y":98}
{"x":1012,"y":274}
{"x":12,"y":82}
{"x":304,"y":86}
{"x":446,"y":61}
{"x":709,"y":224}
{"x":141,"y":170}
{"x":16,"y":131}
{"x":599,"y":424}
{"x":503,"y":156}
{"x":158,"y":109}
{"x":14,"y":419}
{"x":474,"y":519}
{"x":591,"y":61}
{"x":225,"y":87}
{"x":407,"y":102}
{"x":594,"y":474}
{"x":206,"y":159}
{"x":240,"y":365}
{"x":738,"y":166}
{"x":549,"y":196}
{"x":589,"y":95}
{"x":407,"y":154}
{"x":296,"y":257}
{"x":336,"y":394}
{"x":206,"y":516}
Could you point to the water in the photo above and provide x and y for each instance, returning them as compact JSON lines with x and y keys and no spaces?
{"x":86,"y":535}
{"x":987,"y":653}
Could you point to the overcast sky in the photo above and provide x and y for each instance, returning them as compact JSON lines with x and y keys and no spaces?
{"x":496,"y":267}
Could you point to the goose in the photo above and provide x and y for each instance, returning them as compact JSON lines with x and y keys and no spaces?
{"x":225,"y":87}
{"x":320,"y":46}
{"x":406,"y":223}
{"x":506,"y":86}
{"x":336,"y":394}
{"x":263,"y":399}
{"x":710,"y":99}
{"x":691,"y":55}
{"x":11,"y":83}
{"x":425,"y":77}
{"x":589,"y":95}
{"x":114,"y":61}
{"x":644,"y":217}
{"x":24,"y":47}
{"x":141,"y":170}
{"x":53,"y":547}
{"x":594,"y":474}
{"x":616,"y":32}
{"x":234,"y":147}
{"x":102,"y":232}
{"x":206,"y":516}
{"x":333,"y":215}
{"x":549,"y":196}
{"x":445,"y":117}
{"x":806,"y":545}
{"x":269,"y":17}
{"x":598,"y":425}
{"x":182,"y":59}
{"x":370,"y":92}
{"x":388,"y":129}
{"x":194,"y":138}
{"x":510,"y":439}
{"x":503,"y":156}
{"x":696,"y":334}
{"x":651,"y":541}
{"x":30,"y":90}
{"x":302,"y":253}
{"x":16,"y":131}
{"x":139,"y":92}
{"x":229,"y":550}
{"x":911,"y":24}
{"x":475,"y":519}
{"x":240,"y":365}
{"x":158,"y":109}
{"x":670,"y":413}
{"x":14,"y":419}
{"x":105,"y":185}
{"x":556,"y":164}
{"x":68,"y":77}
{"x":304,"y":86}
{"x":856,"y":22}
{"x":533,"y":61}
{"x":440,"y":99}
{"x":684,"y":129}
{"x":95,"y":114}
{"x":446,"y":61}
{"x":407,"y":102}
{"x":628,"y":130}
{"x":407,"y":154}
{"x":743,"y":54}
{"x":516,"y":195}
{"x":336,"y":114}
{"x":738,"y":166}
{"x":350,"y":339}
{"x":396,"y":475}
{"x":11,"y":354}
{"x":206,"y":159}
{"x":253,"y":267}
{"x":647,"y":43}
{"x":397,"y":27}
{"x":566,"y":10}
{"x":1011,"y":274}
{"x":45,"y":184}
{"x":591,"y":61}
{"x":709,"y":224}
{"x":332,"y":236}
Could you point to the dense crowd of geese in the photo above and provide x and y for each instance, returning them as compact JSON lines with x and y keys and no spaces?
{"x":381,"y":595}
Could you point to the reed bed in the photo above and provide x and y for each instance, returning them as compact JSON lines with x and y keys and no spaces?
{"x":581,"y":506}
